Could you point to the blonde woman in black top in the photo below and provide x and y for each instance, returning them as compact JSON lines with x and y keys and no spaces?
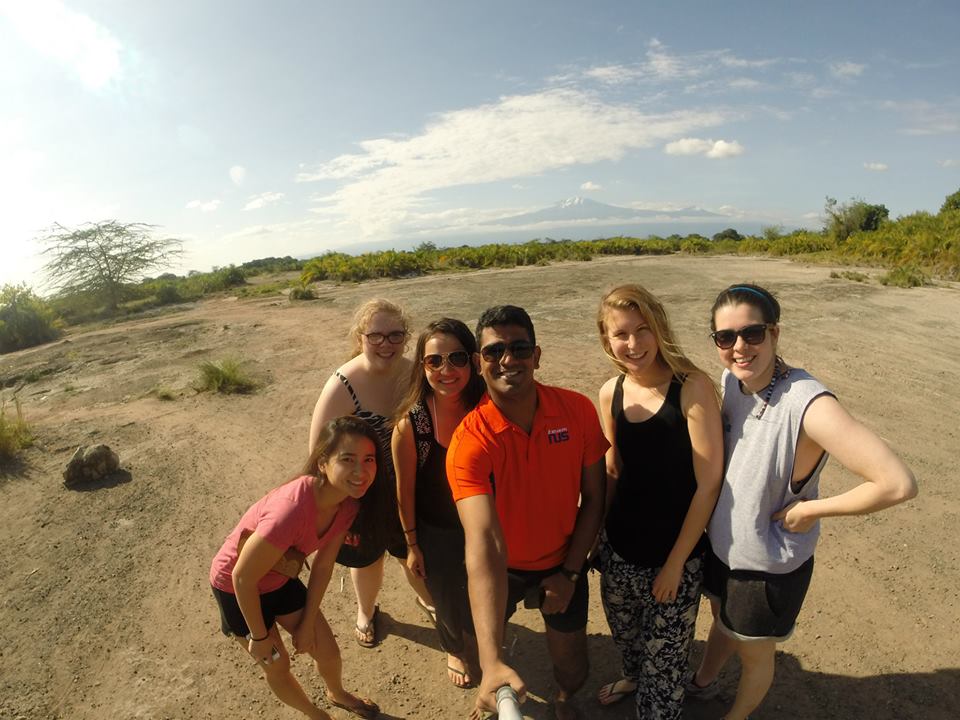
{"x":664,"y":467}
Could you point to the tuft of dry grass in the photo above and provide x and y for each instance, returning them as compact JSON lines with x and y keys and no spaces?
{"x":226,"y":376}
{"x":15,"y":434}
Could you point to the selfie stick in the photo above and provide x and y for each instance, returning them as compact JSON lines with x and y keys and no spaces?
{"x":508,"y":704}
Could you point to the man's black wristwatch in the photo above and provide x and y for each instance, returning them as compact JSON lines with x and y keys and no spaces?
{"x":571,"y":575}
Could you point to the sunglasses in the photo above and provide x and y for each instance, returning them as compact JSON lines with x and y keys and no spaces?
{"x":518,"y":349}
{"x":457,"y":359}
{"x":394,"y":338}
{"x":751,"y":334}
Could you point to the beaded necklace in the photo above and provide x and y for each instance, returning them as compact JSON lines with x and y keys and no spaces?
{"x":769,"y":392}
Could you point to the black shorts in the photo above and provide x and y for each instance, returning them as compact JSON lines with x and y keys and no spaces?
{"x":757,"y":605}
{"x":282,"y":601}
{"x":524,"y":583}
{"x":355,"y":553}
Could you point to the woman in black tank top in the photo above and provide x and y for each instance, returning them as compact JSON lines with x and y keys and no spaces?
{"x":661,"y":415}
{"x":444,"y":387}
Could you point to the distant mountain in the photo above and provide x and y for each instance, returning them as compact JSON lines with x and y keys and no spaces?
{"x":580,"y":209}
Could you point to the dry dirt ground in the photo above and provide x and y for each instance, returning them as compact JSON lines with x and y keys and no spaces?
{"x":105,"y":609}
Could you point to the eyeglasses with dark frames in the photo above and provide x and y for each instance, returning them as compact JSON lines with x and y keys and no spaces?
{"x":457,"y":359}
{"x":518,"y":349}
{"x":397,"y":337}
{"x":751,"y":334}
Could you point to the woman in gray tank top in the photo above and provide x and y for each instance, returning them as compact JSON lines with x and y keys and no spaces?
{"x":780,"y":425}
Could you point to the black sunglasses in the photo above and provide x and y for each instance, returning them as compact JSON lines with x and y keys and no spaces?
{"x":457,"y":359}
{"x":518,"y":349}
{"x":751,"y":334}
{"x":394,"y":338}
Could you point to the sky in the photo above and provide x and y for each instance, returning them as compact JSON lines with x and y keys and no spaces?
{"x":250,"y":129}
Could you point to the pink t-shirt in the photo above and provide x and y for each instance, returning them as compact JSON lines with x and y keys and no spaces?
{"x":286,"y":517}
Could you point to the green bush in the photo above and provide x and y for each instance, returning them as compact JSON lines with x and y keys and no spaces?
{"x":15,"y":434}
{"x":302,"y":293}
{"x":25,"y":319}
{"x":226,"y":376}
{"x":695,"y":245}
{"x":904,"y":276}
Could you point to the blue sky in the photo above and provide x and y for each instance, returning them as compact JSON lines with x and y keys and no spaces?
{"x":251,"y":129}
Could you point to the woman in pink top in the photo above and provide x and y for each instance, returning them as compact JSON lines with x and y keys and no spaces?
{"x":253,"y":581}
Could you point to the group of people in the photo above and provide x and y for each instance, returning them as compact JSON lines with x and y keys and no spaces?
{"x":493,"y":490}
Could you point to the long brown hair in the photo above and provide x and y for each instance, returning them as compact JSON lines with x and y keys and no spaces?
{"x":373,"y":509}
{"x":419,"y":389}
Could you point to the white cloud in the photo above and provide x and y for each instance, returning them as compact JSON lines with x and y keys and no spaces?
{"x":238,"y":174}
{"x":518,"y":136}
{"x":847,"y":69}
{"x":612,"y":74}
{"x":590,"y":185}
{"x":949,"y":163}
{"x":255,"y":202}
{"x":713,"y":149}
{"x":876,"y":166}
{"x":927,"y":118}
{"x":723,"y":149}
{"x":742,"y":83}
{"x":69,"y":37}
{"x":203,"y":205}
{"x":730,"y":60}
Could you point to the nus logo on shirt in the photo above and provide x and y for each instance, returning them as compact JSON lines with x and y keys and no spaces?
{"x":557,"y":435}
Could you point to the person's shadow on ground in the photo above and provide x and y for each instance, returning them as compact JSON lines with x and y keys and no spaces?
{"x":797,"y":694}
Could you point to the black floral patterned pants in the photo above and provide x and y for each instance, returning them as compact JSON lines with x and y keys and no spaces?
{"x":653,"y":638}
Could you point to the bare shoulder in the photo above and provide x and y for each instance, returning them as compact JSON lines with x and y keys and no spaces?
{"x":606,"y":390}
{"x":697,"y":388}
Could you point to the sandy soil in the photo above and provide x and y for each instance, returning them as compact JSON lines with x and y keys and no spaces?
{"x":105,"y":609}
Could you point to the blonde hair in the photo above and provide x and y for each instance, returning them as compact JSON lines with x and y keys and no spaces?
{"x":365,"y":313}
{"x":634,"y":297}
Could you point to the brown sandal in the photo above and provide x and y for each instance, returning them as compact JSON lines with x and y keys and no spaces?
{"x":366,"y":636}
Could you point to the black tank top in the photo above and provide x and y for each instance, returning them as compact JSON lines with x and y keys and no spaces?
{"x":656,"y":481}
{"x":434,"y":501}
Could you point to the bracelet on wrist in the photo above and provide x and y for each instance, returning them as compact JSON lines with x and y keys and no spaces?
{"x":253,"y":639}
{"x":407,"y":532}
{"x":412,"y":544}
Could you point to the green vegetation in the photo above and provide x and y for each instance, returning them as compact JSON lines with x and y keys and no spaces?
{"x":844,"y":219}
{"x":226,"y":376}
{"x":904,"y":276}
{"x":15,"y":434}
{"x":102,"y":259}
{"x":163,"y":393}
{"x":921,"y":246}
{"x":850,"y":275}
{"x":302,"y":292}
{"x":25,"y":319}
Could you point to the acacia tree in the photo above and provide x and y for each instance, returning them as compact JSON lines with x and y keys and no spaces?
{"x":101,"y":258}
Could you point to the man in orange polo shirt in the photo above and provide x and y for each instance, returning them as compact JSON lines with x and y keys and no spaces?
{"x":526,"y":468}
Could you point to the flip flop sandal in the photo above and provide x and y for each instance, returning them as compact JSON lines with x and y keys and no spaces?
{"x":367,"y":709}
{"x":366,"y":636}
{"x":462,"y":674}
{"x":616,"y":691}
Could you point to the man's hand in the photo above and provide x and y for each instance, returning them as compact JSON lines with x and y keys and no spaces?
{"x":494,"y":678}
{"x":558,"y":591}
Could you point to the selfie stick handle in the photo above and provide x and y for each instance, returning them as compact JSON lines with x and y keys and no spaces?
{"x":508,"y":704}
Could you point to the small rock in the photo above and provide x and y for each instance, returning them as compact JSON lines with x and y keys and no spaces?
{"x":90,"y":464}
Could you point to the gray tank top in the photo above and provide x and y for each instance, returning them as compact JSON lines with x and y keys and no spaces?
{"x":759,"y":459}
